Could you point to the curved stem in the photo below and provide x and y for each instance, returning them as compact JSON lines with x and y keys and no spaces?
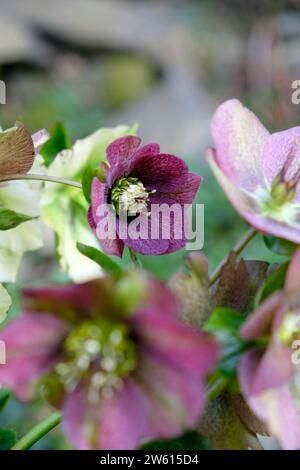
{"x":238,"y":248}
{"x":39,"y":431}
{"x":49,"y":179}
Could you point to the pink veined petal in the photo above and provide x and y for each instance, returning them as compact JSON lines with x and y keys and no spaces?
{"x":276,"y":406}
{"x":175,"y":342}
{"x":292,"y":280}
{"x":120,"y":150}
{"x":145,"y":151}
{"x":239,"y":139}
{"x":116,"y":423}
{"x":245,"y":205}
{"x":32,"y":347}
{"x":162,"y":172}
{"x":123,"y":423}
{"x":161,"y":298}
{"x":174,"y":399}
{"x":259,"y":322}
{"x":282,"y":148}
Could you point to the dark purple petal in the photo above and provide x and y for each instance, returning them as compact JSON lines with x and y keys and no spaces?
{"x":186,"y":194}
{"x":122,"y":149}
{"x":161,"y":172}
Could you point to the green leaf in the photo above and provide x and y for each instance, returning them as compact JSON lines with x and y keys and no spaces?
{"x":4,"y":397}
{"x":102,"y":259}
{"x":279,"y":245}
{"x":59,"y":140}
{"x":8,"y":438}
{"x":225,"y":324}
{"x":11,"y":219}
{"x":224,"y":321}
{"x":191,"y":440}
{"x":272,"y":284}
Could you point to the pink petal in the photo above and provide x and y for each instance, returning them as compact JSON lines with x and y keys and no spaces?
{"x":176,"y":343}
{"x":259,"y":323}
{"x":292,"y":280}
{"x":275,"y":406}
{"x":240,"y":139}
{"x":32,"y":346}
{"x":281,"y":148}
{"x":174,"y":399}
{"x":246,"y":207}
{"x":116,"y":423}
{"x":120,"y":150}
{"x":161,"y":172}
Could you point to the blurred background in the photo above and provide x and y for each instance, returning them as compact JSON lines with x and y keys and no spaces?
{"x":165,"y":64}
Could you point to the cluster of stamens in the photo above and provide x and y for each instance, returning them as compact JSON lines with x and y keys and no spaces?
{"x":102,"y":353}
{"x":129,"y":196}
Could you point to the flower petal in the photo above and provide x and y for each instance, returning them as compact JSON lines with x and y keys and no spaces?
{"x":186,"y":193}
{"x":161,"y":172}
{"x":292,"y":280}
{"x":32,"y":343}
{"x":246,"y":207}
{"x":120,"y":150}
{"x":177,"y":343}
{"x":260,"y":322}
{"x":282,"y":148}
{"x":275,"y":406}
{"x":240,"y":139}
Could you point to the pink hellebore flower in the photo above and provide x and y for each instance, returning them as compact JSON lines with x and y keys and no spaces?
{"x":258,"y":171}
{"x":136,"y":180}
{"x":120,"y":376}
{"x":270,"y":376}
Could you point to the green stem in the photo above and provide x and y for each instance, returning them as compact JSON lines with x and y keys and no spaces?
{"x":39,"y":431}
{"x":49,"y":179}
{"x":134,"y":258}
{"x":215,"y":387}
{"x":238,"y":248}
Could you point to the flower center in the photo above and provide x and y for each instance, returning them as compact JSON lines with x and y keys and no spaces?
{"x":129,"y":196}
{"x":102,"y":352}
{"x":290,"y":327}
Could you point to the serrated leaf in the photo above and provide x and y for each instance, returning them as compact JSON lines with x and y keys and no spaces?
{"x":59,"y":140}
{"x":4,"y":397}
{"x":191,"y":440}
{"x":16,"y":151}
{"x":11,"y":219}
{"x":279,"y":245}
{"x":102,"y":259}
{"x":8,"y":438}
{"x":272,"y":284}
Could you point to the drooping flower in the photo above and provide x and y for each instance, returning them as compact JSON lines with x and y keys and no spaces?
{"x":137,"y":180}
{"x":270,"y":371}
{"x":258,"y":171}
{"x":64,"y":208}
{"x":123,"y":368}
{"x":19,"y":154}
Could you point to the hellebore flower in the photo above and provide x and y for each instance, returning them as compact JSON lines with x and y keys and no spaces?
{"x":64,"y":208}
{"x":137,"y":180}
{"x":270,"y":372}
{"x":123,"y":367}
{"x":258,"y":171}
{"x":19,"y":154}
